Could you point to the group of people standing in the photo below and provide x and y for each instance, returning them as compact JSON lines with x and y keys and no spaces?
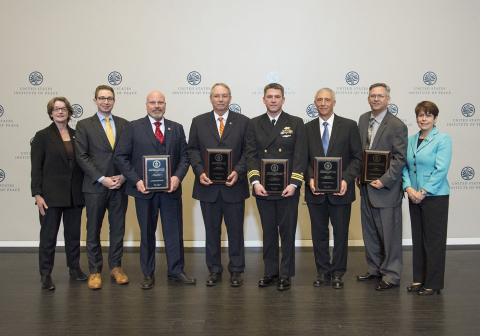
{"x":101,"y":162}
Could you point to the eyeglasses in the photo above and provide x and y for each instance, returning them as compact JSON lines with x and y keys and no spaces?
{"x":102,"y":99}
{"x":63,"y":109}
{"x":225,"y":96}
{"x":377,"y":96}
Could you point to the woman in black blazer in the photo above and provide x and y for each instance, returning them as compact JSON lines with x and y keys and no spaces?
{"x":57,"y":188}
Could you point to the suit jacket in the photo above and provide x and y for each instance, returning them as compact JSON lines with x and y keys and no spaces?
{"x":427,"y":166}
{"x":52,"y":177}
{"x":391,"y":136}
{"x":137,"y":140}
{"x":203,"y":135}
{"x":286,"y":140}
{"x":345,"y":143}
{"x":94,"y":152}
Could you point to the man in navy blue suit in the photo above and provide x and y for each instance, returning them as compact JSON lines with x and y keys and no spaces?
{"x":154,"y":135}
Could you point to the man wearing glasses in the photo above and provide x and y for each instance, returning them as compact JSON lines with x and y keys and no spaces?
{"x":381,"y":204}
{"x":221,"y":129}
{"x":103,"y":185}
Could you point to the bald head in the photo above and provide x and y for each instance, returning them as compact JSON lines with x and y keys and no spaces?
{"x":156,"y":105}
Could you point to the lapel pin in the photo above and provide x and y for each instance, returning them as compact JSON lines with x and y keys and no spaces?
{"x":169,"y":129}
{"x":230,"y":122}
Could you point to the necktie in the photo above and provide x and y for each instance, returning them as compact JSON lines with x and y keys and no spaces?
{"x":109,"y":129}
{"x":369,"y":133}
{"x":222,"y":126}
{"x":158,"y":133}
{"x":325,"y":138}
{"x":273,"y":122}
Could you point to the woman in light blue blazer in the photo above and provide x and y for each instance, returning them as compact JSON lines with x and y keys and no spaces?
{"x":425,"y":181}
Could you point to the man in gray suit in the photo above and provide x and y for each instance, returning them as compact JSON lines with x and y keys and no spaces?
{"x":221,"y":129}
{"x":381,"y":206}
{"x":103,"y":186}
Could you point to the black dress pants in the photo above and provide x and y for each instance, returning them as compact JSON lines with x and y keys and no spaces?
{"x":429,"y":239}
{"x":116,"y":202}
{"x":49,"y":225}
{"x":234,"y":214}
{"x":279,"y":216}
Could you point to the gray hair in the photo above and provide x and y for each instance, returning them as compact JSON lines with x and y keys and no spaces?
{"x":387,"y":88}
{"x":327,"y":90}
{"x":221,"y":84}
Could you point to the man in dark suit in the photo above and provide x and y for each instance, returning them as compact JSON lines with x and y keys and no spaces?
{"x":154,"y":135}
{"x":221,"y":129}
{"x":381,"y":207}
{"x":331,"y":136}
{"x":103,"y":186}
{"x":277,"y":135}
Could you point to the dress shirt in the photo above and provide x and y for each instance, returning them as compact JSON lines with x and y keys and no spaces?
{"x":162,"y":126}
{"x":104,"y":125}
{"x":330,"y":127}
{"x":378,"y":120}
{"x":224,"y":120}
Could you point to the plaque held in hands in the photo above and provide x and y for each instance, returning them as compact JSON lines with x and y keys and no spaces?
{"x":274,"y":176}
{"x":375,"y":164}
{"x":328,"y":174}
{"x":156,"y":172}
{"x":218,"y":165}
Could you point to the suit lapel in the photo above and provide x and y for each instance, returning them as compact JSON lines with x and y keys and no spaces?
{"x":97,"y":125}
{"x":364,"y":131}
{"x":118,"y":130}
{"x":229,"y":124}
{"x":279,"y":125}
{"x":72,"y":138}
{"x":168,"y":134}
{"x":57,"y":140}
{"x":212,"y":125}
{"x":318,"y":135}
{"x":429,"y":139}
{"x":147,"y":127}
{"x":380,"y":130}
{"x":336,"y":127}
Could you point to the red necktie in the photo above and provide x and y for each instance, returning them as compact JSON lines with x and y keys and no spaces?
{"x":158,"y":133}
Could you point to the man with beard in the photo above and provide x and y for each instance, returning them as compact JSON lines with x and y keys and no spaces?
{"x":155,"y":135}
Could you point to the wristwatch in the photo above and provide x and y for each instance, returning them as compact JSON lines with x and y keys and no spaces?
{"x":423,"y":192}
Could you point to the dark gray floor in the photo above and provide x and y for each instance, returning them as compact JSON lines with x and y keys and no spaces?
{"x":171,"y":308}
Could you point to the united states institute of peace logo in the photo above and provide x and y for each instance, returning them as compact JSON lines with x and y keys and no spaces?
{"x":352,"y":78}
{"x":114,"y":78}
{"x":468,"y":173}
{"x":194,"y":78}
{"x":429,"y":78}
{"x":376,"y":158}
{"x":156,"y":164}
{"x":393,"y":109}
{"x":1,"y":110}
{"x":468,"y":110}
{"x":235,"y":108}
{"x":218,"y":157}
{"x":77,"y":110}
{"x":327,"y":166}
{"x":274,"y":168}
{"x":273,"y":77}
{"x":2,"y":175}
{"x":312,"y":111}
{"x":35,"y":78}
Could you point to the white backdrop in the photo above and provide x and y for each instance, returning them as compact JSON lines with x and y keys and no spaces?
{"x":425,"y":50}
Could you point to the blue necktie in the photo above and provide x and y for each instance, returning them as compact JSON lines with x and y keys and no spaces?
{"x":325,"y":138}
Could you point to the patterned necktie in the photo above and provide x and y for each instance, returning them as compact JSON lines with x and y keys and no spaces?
{"x":158,"y":133}
{"x":325,"y":138}
{"x":110,"y":136}
{"x":222,"y":126}
{"x":369,"y":133}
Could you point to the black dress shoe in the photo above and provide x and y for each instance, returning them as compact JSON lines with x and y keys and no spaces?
{"x":267,"y":280}
{"x":148,"y":282}
{"x":425,"y":291}
{"x":284,"y":284}
{"x":213,"y":279}
{"x":47,"y":282}
{"x":337,"y":282}
{"x":366,"y":276}
{"x":321,"y":280}
{"x":414,"y":288}
{"x":183,"y":278}
{"x":384,"y":285}
{"x":236,"y":279}
{"x":78,"y":274}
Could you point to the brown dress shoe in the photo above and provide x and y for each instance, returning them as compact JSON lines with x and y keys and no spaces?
{"x":118,"y":275}
{"x":95,"y":281}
